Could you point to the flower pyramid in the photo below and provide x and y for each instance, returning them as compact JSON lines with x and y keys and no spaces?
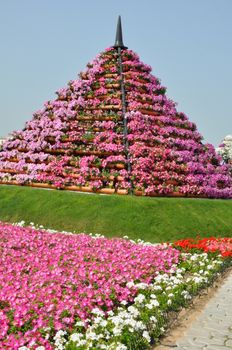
{"x":114,"y":130}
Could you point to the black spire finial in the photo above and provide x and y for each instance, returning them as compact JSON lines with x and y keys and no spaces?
{"x":118,"y":39}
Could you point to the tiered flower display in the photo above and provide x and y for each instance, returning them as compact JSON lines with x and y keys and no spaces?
{"x":80,"y":292}
{"x":78,"y":141}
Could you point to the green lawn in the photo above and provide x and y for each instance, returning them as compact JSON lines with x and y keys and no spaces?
{"x":151,"y":219}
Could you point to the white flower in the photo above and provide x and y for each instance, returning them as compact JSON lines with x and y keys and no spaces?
{"x":82,"y":342}
{"x":60,"y":334}
{"x":60,"y":340}
{"x":197,"y":279}
{"x":142,"y":285}
{"x":117,"y":331}
{"x":153,"y":296}
{"x":130,"y":284}
{"x":103,"y":323}
{"x":153,"y":319}
{"x":97,"y":319}
{"x":133,"y":310}
{"x":91,"y":335}
{"x":154,"y":302}
{"x":146,"y":336}
{"x":76,"y":337}
{"x":103,"y":346}
{"x":140,"y":325}
{"x":149,"y":306}
{"x":139,"y":299}
{"x":116,"y":320}
{"x":98,"y":312}
{"x":193,"y":257}
{"x":157,"y":287}
{"x":121,"y":347}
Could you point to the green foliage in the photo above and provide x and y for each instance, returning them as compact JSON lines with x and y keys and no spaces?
{"x":152,"y":219}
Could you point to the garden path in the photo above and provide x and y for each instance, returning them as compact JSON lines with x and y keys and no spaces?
{"x":210,"y":329}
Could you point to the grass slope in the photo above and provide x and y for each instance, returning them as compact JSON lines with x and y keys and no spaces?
{"x":152,"y":219}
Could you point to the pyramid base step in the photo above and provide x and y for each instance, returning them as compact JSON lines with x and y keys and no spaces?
{"x":106,"y":190}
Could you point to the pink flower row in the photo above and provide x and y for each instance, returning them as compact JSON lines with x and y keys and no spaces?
{"x":49,"y":281}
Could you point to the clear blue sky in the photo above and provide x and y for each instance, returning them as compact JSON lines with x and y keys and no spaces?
{"x":188,"y":43}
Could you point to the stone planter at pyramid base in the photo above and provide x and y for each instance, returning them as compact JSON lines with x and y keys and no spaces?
{"x":139,"y":193}
{"x":122,"y":191}
{"x":106,"y":190}
{"x":89,"y":189}
{"x":154,"y":194}
{"x":174,"y":194}
{"x":196,"y":195}
{"x":79,"y":188}
{"x":41,"y":185}
{"x":157,"y":194}
{"x":179,"y":194}
{"x":12,"y":182}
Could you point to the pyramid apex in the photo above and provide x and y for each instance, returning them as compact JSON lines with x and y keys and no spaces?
{"x":119,"y":38}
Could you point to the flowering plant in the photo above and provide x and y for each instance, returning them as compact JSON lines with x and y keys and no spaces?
{"x":225,"y":149}
{"x":160,"y":150}
{"x":219,"y":245}
{"x":64,"y":291}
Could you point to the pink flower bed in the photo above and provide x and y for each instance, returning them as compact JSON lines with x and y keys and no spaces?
{"x":53,"y":280}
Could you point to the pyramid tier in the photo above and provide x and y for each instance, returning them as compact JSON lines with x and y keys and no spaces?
{"x":84,"y":141}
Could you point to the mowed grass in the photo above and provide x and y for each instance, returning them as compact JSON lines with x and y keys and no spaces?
{"x":150,"y":219}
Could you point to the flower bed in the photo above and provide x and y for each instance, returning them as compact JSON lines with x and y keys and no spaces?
{"x":219,"y":245}
{"x":64,"y":291}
